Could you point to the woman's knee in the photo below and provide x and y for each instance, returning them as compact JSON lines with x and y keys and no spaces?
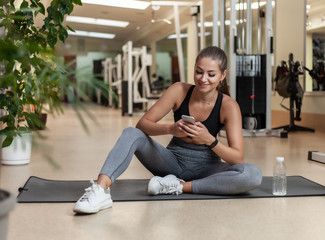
{"x":253,"y":175}
{"x":250,"y":176}
{"x":132,"y":130}
{"x":132,"y":137}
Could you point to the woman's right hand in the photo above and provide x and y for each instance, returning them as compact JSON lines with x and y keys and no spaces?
{"x":177,"y":129}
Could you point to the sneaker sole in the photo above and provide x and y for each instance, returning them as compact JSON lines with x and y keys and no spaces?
{"x":84,"y":211}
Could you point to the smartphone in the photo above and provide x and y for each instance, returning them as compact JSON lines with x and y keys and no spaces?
{"x":188,"y":119}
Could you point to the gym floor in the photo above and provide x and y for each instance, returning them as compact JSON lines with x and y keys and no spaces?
{"x":79,"y":156}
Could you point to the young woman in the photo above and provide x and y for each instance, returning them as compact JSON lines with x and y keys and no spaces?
{"x":191,"y":162}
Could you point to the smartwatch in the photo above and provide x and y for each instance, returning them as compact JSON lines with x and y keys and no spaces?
{"x":214,"y":144}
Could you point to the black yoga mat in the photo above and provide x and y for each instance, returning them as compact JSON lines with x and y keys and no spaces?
{"x":38,"y":190}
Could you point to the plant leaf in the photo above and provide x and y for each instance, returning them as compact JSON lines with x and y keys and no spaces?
{"x":8,"y":140}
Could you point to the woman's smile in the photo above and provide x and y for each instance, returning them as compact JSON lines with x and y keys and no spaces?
{"x":203,"y":85}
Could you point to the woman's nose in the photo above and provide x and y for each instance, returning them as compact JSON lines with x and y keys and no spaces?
{"x":204,"y":77}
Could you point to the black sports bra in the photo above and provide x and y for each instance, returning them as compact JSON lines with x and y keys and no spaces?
{"x":212,"y":123}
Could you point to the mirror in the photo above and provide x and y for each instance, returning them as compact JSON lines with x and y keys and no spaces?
{"x":315,"y":47}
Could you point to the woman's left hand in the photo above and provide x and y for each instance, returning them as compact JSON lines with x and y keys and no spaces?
{"x":198,"y":133}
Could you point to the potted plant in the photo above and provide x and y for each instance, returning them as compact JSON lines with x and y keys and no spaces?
{"x":29,"y":74}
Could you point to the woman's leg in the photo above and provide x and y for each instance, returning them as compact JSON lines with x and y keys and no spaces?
{"x":235,"y":179}
{"x":155,"y":157}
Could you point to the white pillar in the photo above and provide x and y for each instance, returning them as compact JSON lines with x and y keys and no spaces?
{"x":268,"y":36}
{"x":130,"y":76}
{"x":232,"y":50}
{"x":192,"y":48}
{"x":215,"y":36}
{"x":249,"y":27}
{"x":222,"y":25}
{"x":153,"y":67}
{"x":202,"y":28}
{"x":179,"y":45}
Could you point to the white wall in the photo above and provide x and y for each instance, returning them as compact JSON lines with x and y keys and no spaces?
{"x":163,"y":61}
{"x":85,"y":62}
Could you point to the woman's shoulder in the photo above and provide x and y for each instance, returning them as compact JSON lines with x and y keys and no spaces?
{"x":180,"y":86}
{"x":178,"y":89}
{"x":176,"y":93}
{"x":228,"y":101}
{"x":229,"y":107}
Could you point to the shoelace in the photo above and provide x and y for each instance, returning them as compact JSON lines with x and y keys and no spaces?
{"x":171,"y":187}
{"x":89,"y":191}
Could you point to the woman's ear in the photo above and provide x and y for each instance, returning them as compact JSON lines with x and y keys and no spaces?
{"x":223,"y":76}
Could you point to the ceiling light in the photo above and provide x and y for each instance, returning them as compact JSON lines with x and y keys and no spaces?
{"x":184,"y":35}
{"x":92,"y":34}
{"x":173,"y":36}
{"x":227,"y":22}
{"x":97,"y":21}
{"x":124,"y":4}
{"x":207,"y":24}
{"x":243,"y":6}
{"x":161,"y":20}
{"x":167,"y":21}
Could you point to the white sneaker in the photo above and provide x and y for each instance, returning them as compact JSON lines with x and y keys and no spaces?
{"x":94,"y":199}
{"x":169,"y":184}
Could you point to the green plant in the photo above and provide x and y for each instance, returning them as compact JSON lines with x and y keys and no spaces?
{"x":29,"y":73}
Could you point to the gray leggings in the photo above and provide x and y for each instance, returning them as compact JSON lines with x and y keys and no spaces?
{"x":209,"y":175}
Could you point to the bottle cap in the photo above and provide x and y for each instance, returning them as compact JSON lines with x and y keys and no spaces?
{"x":280,"y":159}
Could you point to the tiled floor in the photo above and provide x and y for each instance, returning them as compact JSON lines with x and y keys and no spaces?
{"x":80,"y":156}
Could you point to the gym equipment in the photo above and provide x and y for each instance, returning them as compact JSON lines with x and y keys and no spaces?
{"x":288,"y":86}
{"x":250,"y":74}
{"x":113,"y":76}
{"x":135,"y":75}
{"x":318,"y":76}
{"x":98,"y":71}
{"x":251,"y":90}
{"x":316,"y":156}
{"x":38,"y":190}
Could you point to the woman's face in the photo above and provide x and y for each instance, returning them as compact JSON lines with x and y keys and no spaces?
{"x":207,"y":74}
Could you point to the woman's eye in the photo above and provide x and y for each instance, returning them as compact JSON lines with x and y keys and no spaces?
{"x":198,"y":72}
{"x":212,"y":75}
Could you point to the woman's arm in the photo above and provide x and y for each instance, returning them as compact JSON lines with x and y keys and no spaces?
{"x":170,"y":100}
{"x":230,"y":116}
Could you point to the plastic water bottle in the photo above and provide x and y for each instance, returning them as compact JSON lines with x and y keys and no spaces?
{"x":279,"y":187}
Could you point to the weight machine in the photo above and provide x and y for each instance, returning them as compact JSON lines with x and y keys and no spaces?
{"x":288,"y":86}
{"x":254,"y":69}
{"x":135,"y":75}
{"x":113,"y":76}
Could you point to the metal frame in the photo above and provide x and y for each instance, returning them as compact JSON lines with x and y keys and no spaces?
{"x":269,"y":52}
{"x":316,"y":156}
{"x":176,"y":5}
{"x":134,"y":75}
{"x":113,"y":76}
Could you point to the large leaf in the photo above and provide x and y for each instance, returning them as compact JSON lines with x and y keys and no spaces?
{"x":8,"y":140}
